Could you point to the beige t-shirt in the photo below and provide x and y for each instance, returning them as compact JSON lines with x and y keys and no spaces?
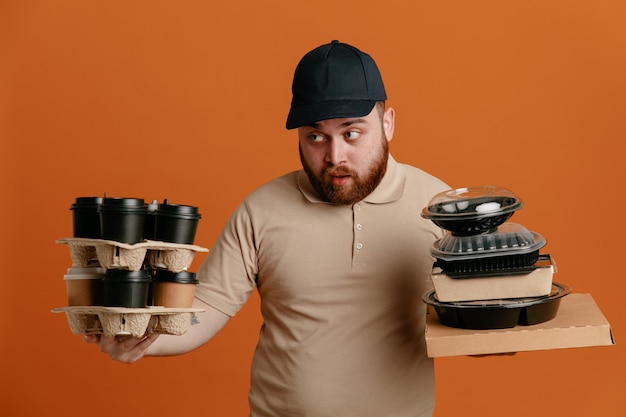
{"x":340,"y":289}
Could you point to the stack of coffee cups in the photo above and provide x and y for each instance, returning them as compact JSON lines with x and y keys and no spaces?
{"x":131,"y":221}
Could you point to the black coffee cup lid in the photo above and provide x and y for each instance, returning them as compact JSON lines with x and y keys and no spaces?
{"x":123,"y":205}
{"x":125,"y":275}
{"x":183,"y":277}
{"x":123,"y":202}
{"x":89,"y":202}
{"x":168,"y":209}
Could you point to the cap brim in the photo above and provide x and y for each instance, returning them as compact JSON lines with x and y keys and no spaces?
{"x":308,"y":114}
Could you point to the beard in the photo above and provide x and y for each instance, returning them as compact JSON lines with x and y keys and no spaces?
{"x":361,"y":186}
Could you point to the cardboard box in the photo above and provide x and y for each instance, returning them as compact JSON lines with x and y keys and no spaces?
{"x":578,"y":323}
{"x":536,"y":283}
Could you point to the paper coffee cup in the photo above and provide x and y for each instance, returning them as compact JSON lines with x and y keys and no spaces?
{"x":174,"y":289}
{"x":84,"y":286}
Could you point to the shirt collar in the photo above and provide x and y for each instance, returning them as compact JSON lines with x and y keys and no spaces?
{"x":390,"y":189}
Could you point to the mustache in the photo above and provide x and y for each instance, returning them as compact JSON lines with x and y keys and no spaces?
{"x":337,"y":171}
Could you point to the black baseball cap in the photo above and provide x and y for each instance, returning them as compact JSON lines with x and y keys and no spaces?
{"x":335,"y":80}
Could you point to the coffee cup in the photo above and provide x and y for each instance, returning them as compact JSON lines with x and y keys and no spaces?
{"x":176,"y":223}
{"x":85,"y":217}
{"x":122,"y":219}
{"x":84,"y":286}
{"x":174,"y":289}
{"x":124,"y":288}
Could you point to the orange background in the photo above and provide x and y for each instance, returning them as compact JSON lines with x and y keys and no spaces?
{"x":187,"y":100}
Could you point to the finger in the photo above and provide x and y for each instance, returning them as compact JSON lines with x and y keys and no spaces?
{"x":138,"y":350}
{"x":129,"y":342}
{"x":91,"y":338}
{"x":147,"y":342}
{"x":126,"y":349}
{"x":107,"y":343}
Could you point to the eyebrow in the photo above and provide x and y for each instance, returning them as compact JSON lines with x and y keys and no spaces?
{"x":344,"y":124}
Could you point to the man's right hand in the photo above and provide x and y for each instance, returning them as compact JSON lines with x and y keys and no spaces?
{"x":126,"y":349}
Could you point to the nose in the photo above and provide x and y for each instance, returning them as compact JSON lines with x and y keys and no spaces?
{"x":336,"y":152}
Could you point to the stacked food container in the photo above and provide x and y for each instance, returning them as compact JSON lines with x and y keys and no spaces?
{"x":130,"y":265}
{"x":488,"y":273}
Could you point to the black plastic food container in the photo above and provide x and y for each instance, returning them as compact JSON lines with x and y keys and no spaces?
{"x":124,"y":288}
{"x":472,"y":210}
{"x":494,"y":265}
{"x":176,"y":223}
{"x":510,"y":249}
{"x":122,"y":219}
{"x":498,"y":314}
{"x":85,"y":217}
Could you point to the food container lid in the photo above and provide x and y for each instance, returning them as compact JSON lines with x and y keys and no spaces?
{"x":472,"y":210}
{"x":509,"y":238}
{"x":182,"y":277}
{"x":472,"y":201}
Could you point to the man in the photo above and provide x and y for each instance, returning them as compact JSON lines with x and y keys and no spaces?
{"x":339,"y":255}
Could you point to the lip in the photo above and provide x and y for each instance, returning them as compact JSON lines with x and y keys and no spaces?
{"x":339,"y":179}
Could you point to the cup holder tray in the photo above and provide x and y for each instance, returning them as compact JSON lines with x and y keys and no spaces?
{"x":109,"y":254}
{"x":117,"y":321}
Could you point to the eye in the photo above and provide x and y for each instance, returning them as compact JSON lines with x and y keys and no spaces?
{"x":316,"y":137}
{"x":352,"y":135}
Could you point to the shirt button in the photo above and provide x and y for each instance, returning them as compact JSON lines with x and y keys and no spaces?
{"x":357,"y":207}
{"x":359,"y":226}
{"x":359,"y":246}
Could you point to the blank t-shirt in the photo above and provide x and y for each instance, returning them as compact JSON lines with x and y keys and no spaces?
{"x":340,"y":289}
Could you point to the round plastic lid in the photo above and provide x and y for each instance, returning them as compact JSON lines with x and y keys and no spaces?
{"x":471,"y":202}
{"x":182,"y":277}
{"x":86,"y":202}
{"x":123,"y":202}
{"x":178,"y":210}
{"x":509,"y":238}
{"x":122,"y":205}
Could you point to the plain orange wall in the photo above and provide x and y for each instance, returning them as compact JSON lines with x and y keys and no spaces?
{"x":186,"y":100}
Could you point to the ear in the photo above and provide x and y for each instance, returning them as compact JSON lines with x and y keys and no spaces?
{"x":389,"y":118}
